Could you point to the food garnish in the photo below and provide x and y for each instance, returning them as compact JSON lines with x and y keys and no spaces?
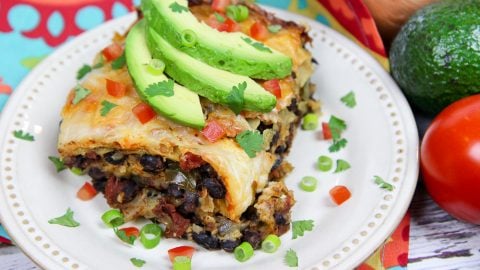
{"x":310,"y":121}
{"x":324,"y":163}
{"x":137,"y":262}
{"x":251,"y":142}
{"x":340,"y":194}
{"x":150,"y":235}
{"x":58,"y":162}
{"x":342,"y":165}
{"x":299,"y":227}
{"x":80,"y":94}
{"x":291,"y":258}
{"x":113,"y":218}
{"x":349,"y":100}
{"x":308,"y":183}
{"x":86,"y":192}
{"x":382,"y":183}
{"x":271,"y":243}
{"x":66,"y":220}
{"x":107,"y":106}
{"x":243,"y":252}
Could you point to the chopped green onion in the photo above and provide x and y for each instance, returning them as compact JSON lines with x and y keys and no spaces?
{"x":156,"y":67}
{"x":150,"y":235}
{"x":77,"y":171}
{"x":324,"y":163}
{"x":182,"y":263}
{"x":274,"y":28}
{"x":189,"y":38}
{"x":310,"y":121}
{"x":243,"y":252}
{"x":113,"y":218}
{"x":308,"y":183}
{"x":239,"y":13}
{"x":271,"y":243}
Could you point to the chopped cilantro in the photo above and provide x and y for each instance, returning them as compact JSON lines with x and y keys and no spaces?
{"x":291,"y":258}
{"x":382,"y":183}
{"x":274,"y":28}
{"x":84,"y":70}
{"x":337,"y":145}
{"x":337,"y":126}
{"x":123,"y":236}
{"x":235,"y":98}
{"x":65,"y":220}
{"x":80,"y":93}
{"x":137,"y":262}
{"x":349,"y":99}
{"x":251,"y":142}
{"x":342,"y":165}
{"x":107,"y":107}
{"x":19,"y":134}
{"x":59,"y":165}
{"x":257,"y":45}
{"x":300,"y":226}
{"x":99,"y":64}
{"x":163,"y":88}
{"x":219,"y":17}
{"x":119,"y":62}
{"x":176,"y":7}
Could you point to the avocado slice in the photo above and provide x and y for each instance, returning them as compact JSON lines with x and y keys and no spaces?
{"x":183,"y":106}
{"x":207,"y":81}
{"x":234,"y":52}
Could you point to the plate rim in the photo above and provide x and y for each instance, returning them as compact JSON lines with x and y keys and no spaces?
{"x":408,"y":120}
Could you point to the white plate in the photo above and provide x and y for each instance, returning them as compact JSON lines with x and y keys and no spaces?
{"x":382,"y":140}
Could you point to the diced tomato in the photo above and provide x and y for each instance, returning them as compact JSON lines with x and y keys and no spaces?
{"x":228,"y":26}
{"x":190,"y":161}
{"x":131,"y":231}
{"x":220,"y":5}
{"x":186,"y":251}
{"x":86,"y":192}
{"x":327,"y":133}
{"x":340,"y":194}
{"x":258,"y":31}
{"x":112,"y":52}
{"x":231,"y":26}
{"x":273,"y":86}
{"x":213,"y":131}
{"x":143,"y":112}
{"x":116,"y":89}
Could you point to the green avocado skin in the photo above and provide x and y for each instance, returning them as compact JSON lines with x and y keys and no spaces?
{"x":435,"y":58}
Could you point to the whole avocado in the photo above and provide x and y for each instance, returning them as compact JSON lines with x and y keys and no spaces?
{"x":436,"y":56}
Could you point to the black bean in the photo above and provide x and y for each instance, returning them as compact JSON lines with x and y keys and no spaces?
{"x":130,"y":190}
{"x":114,"y":158}
{"x":189,"y":204}
{"x":275,"y":138}
{"x":280,"y":149}
{"x":277,"y":163}
{"x":252,"y":237}
{"x":250,"y":214}
{"x":293,"y":106}
{"x":280,"y":219}
{"x":215,"y":188}
{"x":263,"y":126}
{"x":99,"y":184}
{"x":206,"y":240}
{"x":229,"y":245}
{"x":174,"y":190}
{"x":151,"y":164}
{"x":96,"y":173}
{"x":206,"y":171}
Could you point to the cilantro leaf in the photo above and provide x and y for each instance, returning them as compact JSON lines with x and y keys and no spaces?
{"x":59,"y":165}
{"x":349,"y":99}
{"x":257,"y":45}
{"x":123,"y":236}
{"x":119,"y":62}
{"x":291,"y":258}
{"x":219,"y":17}
{"x":80,"y":93}
{"x":235,"y":98}
{"x":274,"y":28}
{"x":19,"y":134}
{"x":99,"y":64}
{"x":65,"y":220}
{"x":337,"y":145}
{"x":176,"y":7}
{"x":251,"y":142}
{"x":382,"y":183}
{"x":342,"y":165}
{"x":107,"y":107}
{"x":300,"y":226}
{"x":163,"y":88}
{"x":337,"y":126}
{"x":84,"y":70}
{"x":137,"y":262}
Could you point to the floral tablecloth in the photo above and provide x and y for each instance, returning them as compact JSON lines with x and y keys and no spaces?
{"x":31,"y":29}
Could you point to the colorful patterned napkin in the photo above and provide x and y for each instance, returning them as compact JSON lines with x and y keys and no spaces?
{"x":32,"y":29}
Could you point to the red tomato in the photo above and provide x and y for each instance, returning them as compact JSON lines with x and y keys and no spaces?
{"x":86,"y":192}
{"x":144,"y":113}
{"x":116,"y":89}
{"x":450,"y":159}
{"x":220,"y":5}
{"x":340,"y":194}
{"x":190,"y":161}
{"x":112,"y":52}
{"x":131,"y":231}
{"x":327,"y":133}
{"x":228,"y":25}
{"x":181,"y":251}
{"x":273,"y":86}
{"x":259,"y":31}
{"x":213,"y":131}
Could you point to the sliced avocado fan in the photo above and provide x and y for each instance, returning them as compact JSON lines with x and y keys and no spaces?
{"x":236,"y":91}
{"x":167,"y":98}
{"x":234,"y":52}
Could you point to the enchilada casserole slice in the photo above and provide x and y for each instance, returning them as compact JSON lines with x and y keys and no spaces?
{"x":211,"y":192}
